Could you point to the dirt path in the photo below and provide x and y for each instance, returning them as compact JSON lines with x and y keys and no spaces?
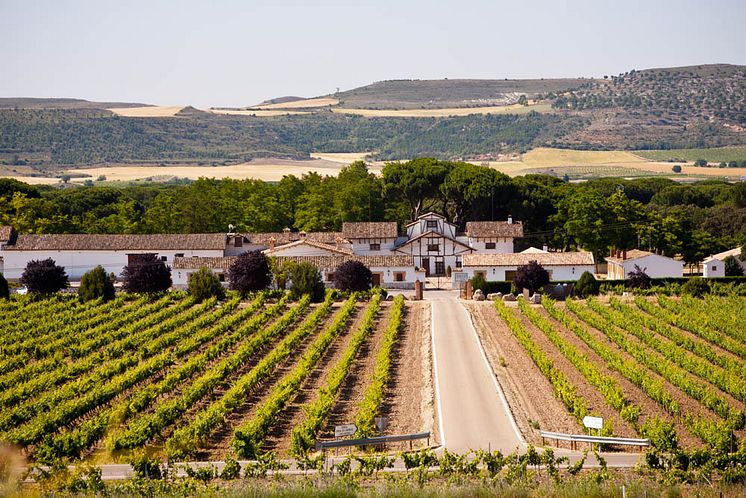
{"x":530,"y":395}
{"x":410,"y":399}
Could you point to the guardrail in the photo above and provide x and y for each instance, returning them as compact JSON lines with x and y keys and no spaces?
{"x":372,"y":441}
{"x":582,"y":438}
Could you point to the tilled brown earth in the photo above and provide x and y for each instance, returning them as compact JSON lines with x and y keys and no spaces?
{"x":221,"y":439}
{"x":529,"y":394}
{"x":686,"y":403}
{"x":594,"y":400}
{"x":409,"y":403}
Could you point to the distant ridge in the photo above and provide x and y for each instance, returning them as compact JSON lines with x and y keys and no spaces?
{"x":61,"y":103}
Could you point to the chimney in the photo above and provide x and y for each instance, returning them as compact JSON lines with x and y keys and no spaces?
{"x":286,"y":230}
{"x":272,"y":242}
{"x":624,"y":254}
{"x":611,"y":252}
{"x":618,"y":253}
{"x":231,"y":228}
{"x":302,"y":235}
{"x":510,"y":219}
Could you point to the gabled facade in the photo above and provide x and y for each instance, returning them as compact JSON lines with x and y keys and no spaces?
{"x":655,"y":265}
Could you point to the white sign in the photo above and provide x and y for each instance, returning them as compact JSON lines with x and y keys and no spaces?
{"x":593,"y":422}
{"x":344,"y":430}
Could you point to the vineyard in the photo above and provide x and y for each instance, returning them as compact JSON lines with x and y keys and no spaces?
{"x":662,"y":368}
{"x":183,"y":380}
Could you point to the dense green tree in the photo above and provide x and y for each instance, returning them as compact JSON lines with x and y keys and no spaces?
{"x":475,"y":193}
{"x":696,"y":286}
{"x":415,"y":183}
{"x":732,"y":267}
{"x":587,"y":285}
{"x":95,"y":284}
{"x":306,"y":279}
{"x":204,"y":284}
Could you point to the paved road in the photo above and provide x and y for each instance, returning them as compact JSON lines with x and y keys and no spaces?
{"x":472,"y":408}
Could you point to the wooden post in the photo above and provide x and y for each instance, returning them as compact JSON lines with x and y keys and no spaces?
{"x":469,"y":290}
{"x":418,"y":290}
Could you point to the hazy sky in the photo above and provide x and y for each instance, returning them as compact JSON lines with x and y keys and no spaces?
{"x":235,"y":53}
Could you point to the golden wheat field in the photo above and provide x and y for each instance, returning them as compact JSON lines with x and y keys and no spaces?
{"x":445,"y":112}
{"x":147,"y":111}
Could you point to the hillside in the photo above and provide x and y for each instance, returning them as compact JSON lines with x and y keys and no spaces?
{"x":436,"y":94}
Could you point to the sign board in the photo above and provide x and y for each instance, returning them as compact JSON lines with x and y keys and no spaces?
{"x":344,"y":430}
{"x":593,"y":422}
{"x":381,"y":423}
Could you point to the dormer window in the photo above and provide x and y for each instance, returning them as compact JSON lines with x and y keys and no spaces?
{"x":432,"y":223}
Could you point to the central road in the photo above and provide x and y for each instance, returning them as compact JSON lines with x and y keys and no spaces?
{"x":471,"y":406}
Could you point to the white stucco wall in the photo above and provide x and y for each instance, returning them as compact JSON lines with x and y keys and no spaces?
{"x":502,"y":245}
{"x":76,"y":263}
{"x":655,"y":266}
{"x":497,"y":273}
{"x":362,"y":246}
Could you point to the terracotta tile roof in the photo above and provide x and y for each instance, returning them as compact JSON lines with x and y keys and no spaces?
{"x":106,"y":242}
{"x":520,"y":259}
{"x":318,"y":245}
{"x":631,"y":255}
{"x":488,"y":229}
{"x":736,"y":252}
{"x":281,"y":238}
{"x":5,"y":232}
{"x":370,"y":230}
{"x":321,"y":262}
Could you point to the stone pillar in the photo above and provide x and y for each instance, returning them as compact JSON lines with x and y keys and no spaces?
{"x":469,"y":292}
{"x":418,"y":290}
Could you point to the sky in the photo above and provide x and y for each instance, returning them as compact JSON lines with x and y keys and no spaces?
{"x":235,"y":53}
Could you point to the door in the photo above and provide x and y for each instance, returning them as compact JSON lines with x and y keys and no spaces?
{"x":376,"y":280}
{"x":440,"y":268}
{"x":426,"y":266}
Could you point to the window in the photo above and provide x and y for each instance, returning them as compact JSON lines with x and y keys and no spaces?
{"x":375,"y":246}
{"x":179,"y":255}
{"x":238,"y":242}
{"x":329,"y":277}
{"x":714,"y":268}
{"x":458,"y":263}
{"x":164,"y":258}
{"x":432,"y":248}
{"x":432,"y":223}
{"x":221,"y":277}
{"x":489,"y":245}
{"x":399,"y":276}
{"x":440,"y":268}
{"x":481,"y":274}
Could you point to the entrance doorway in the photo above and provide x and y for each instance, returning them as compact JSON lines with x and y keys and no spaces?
{"x":426,"y":266}
{"x":376,"y":280}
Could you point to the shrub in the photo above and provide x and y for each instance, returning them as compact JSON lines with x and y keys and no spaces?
{"x":532,"y":276}
{"x":352,"y":276}
{"x":701,"y":163}
{"x":676,"y":168}
{"x":204,"y":284}
{"x":662,"y":434}
{"x":696,"y":286}
{"x":146,"y":273}
{"x":250,"y":272}
{"x":4,"y":289}
{"x":587,"y":285}
{"x":44,"y":277}
{"x":307,"y":280}
{"x":478,"y":282}
{"x":732,"y":267}
{"x":638,"y":279}
{"x":96,"y":284}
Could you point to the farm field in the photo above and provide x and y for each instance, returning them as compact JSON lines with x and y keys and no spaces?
{"x":146,"y":111}
{"x":189,"y":380}
{"x":444,"y":112}
{"x":300,"y":104}
{"x":635,"y":362}
{"x":713,"y":155}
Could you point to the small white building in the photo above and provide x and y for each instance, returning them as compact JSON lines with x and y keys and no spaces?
{"x":503,"y":267}
{"x":389,"y":271}
{"x":713,"y":268}
{"x":654,"y":265}
{"x":371,"y":238}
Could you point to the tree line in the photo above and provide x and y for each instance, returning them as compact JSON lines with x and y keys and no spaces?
{"x":657,"y":214}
